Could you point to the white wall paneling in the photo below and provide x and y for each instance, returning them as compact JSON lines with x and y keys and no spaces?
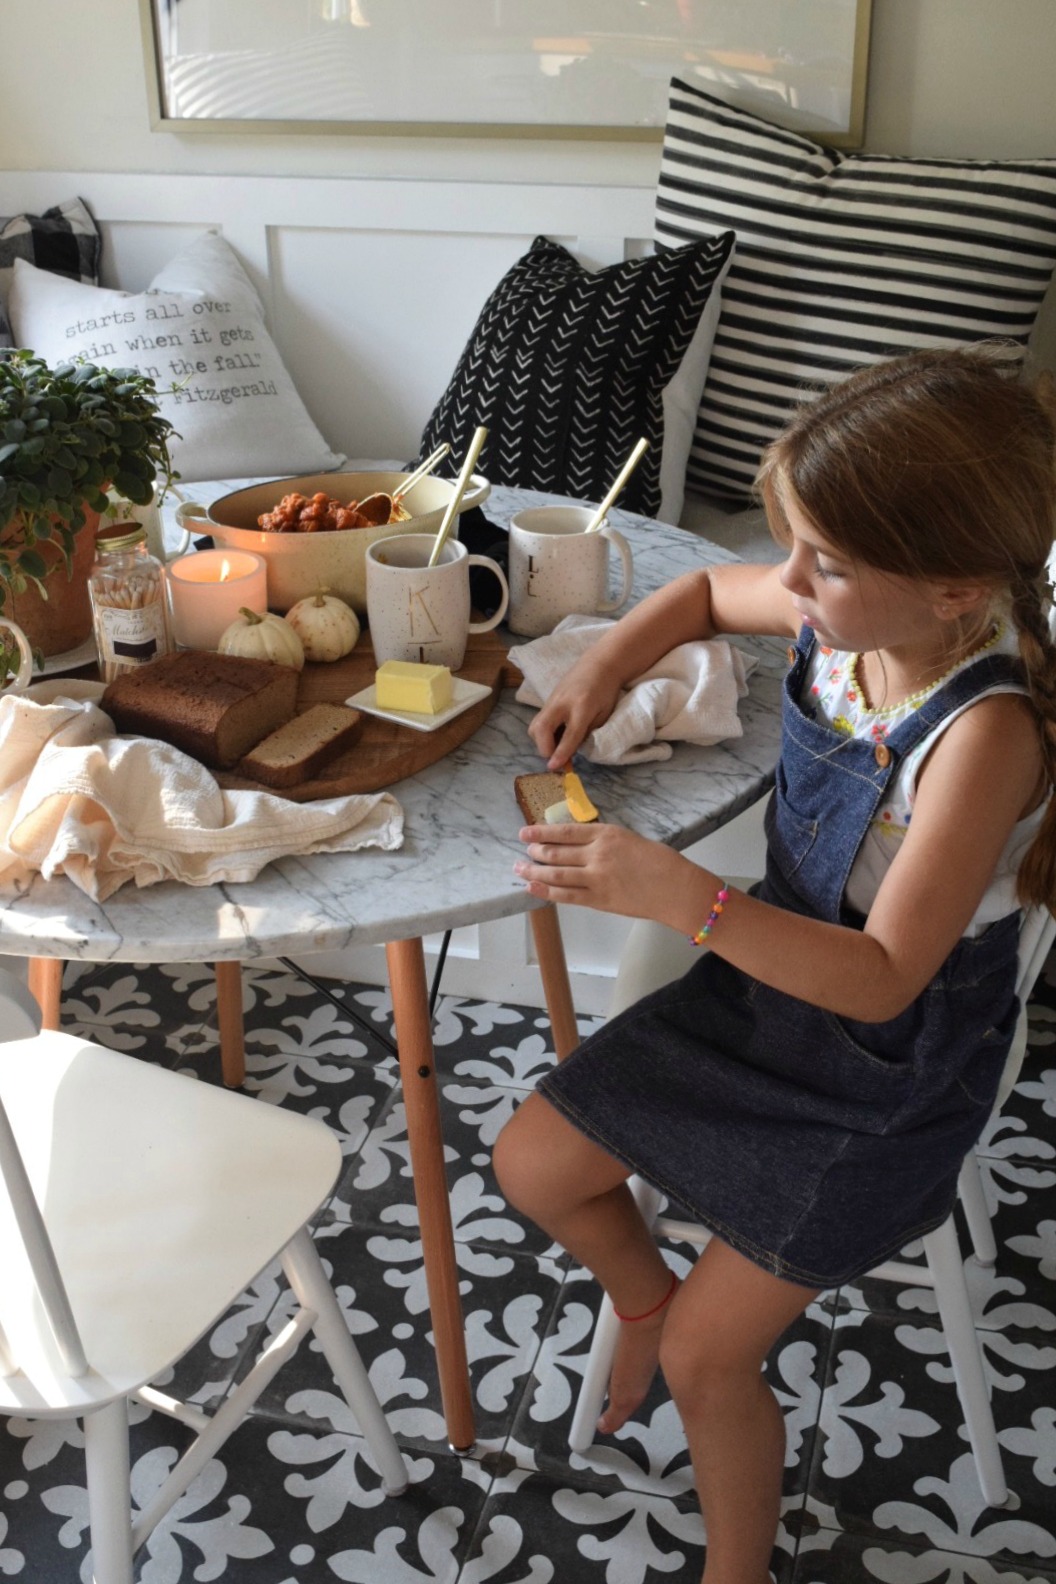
{"x":371,"y":287}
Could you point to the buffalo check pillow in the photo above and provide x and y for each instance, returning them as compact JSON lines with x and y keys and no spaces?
{"x":568,"y":367}
{"x":841,"y":259}
{"x":63,"y":240}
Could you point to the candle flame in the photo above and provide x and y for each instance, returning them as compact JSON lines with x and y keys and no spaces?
{"x":225,"y":570}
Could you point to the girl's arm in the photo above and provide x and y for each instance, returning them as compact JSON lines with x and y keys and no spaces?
{"x":728,"y":599}
{"x":982,"y":775}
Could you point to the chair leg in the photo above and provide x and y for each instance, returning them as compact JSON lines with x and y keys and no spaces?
{"x":976,"y":1210}
{"x":45,"y":984}
{"x":304,"y":1271}
{"x":951,"y":1293}
{"x":591,"y":1399}
{"x":230,"y":1022}
{"x":598,"y":1367}
{"x":109,"y":1499}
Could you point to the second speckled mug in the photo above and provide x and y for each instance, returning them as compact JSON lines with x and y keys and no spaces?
{"x":557,"y":570}
{"x":419,"y":612}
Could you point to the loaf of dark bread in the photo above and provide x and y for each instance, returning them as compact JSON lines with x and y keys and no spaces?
{"x":301,"y":747}
{"x":215,"y":707}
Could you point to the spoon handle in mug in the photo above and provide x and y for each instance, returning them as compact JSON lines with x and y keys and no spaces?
{"x":476,"y":445}
{"x":641,"y":447}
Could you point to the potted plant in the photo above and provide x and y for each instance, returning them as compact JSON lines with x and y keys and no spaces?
{"x":66,"y":435}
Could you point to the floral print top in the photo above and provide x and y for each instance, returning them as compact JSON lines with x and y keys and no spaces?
{"x":831,"y":692}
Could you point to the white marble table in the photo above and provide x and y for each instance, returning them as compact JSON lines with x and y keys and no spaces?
{"x":454,"y":868}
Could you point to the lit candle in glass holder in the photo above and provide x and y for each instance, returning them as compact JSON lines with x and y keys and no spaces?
{"x":208,"y":588}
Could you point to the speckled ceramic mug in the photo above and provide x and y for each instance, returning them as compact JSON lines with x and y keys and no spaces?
{"x":419,"y":612}
{"x":557,"y":570}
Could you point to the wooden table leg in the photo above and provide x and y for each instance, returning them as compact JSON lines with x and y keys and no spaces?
{"x":410,"y":1004}
{"x":45,"y":983}
{"x":230,"y":1023}
{"x":550,"y":950}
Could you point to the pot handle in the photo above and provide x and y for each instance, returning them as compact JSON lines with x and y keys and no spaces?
{"x":189,"y":511}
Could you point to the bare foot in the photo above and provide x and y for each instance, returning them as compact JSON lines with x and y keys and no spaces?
{"x":633,"y":1366}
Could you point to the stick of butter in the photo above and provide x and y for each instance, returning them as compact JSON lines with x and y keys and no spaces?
{"x":579,"y":804}
{"x":409,"y":685}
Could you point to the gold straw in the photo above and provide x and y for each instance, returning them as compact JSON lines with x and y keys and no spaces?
{"x":621,"y":478}
{"x":475,"y":447}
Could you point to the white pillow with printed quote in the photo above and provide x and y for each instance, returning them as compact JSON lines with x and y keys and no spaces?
{"x":199,"y":327}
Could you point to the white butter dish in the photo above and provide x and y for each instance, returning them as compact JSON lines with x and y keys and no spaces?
{"x":464,"y":695}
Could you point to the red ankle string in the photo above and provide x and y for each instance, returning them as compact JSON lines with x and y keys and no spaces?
{"x":666,"y":1299}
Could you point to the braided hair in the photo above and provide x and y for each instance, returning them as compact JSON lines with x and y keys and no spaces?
{"x":941,"y":465}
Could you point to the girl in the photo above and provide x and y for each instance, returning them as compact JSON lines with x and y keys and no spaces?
{"x":809,"y":1088}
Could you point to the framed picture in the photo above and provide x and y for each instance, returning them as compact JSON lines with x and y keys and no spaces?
{"x":545,"y":68}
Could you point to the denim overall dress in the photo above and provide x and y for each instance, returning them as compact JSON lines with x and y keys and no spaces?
{"x":815,"y":1145}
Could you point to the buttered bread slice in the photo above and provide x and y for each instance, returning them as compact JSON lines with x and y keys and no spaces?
{"x":553,"y":797}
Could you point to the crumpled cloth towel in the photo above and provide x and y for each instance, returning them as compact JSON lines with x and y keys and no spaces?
{"x":689,"y":695}
{"x":78,"y":800}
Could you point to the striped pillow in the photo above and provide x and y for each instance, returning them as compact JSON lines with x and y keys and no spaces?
{"x":841,"y":259}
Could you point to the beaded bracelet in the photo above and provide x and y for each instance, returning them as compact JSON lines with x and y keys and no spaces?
{"x":721,"y":900}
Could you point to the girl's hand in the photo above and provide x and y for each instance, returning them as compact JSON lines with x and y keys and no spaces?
{"x":583,"y":701}
{"x":697,"y":605}
{"x":603,"y":867}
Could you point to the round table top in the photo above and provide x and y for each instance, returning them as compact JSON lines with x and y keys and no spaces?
{"x":461,"y":822}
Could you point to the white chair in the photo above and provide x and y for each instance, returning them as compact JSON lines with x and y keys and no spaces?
{"x":139,"y":1204}
{"x":653,"y":956}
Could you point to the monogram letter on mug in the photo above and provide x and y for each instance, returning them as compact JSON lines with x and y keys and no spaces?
{"x":420,"y":612}
{"x":557,"y":570}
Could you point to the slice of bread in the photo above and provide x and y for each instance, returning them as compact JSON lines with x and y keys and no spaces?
{"x":545,"y":789}
{"x":538,"y":792}
{"x":300,"y":748}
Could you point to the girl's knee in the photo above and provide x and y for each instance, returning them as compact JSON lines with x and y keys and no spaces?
{"x":516,"y":1154}
{"x":544,"y":1165}
{"x":686,"y":1359}
{"x":702,"y":1363}
{"x":725,"y":1320}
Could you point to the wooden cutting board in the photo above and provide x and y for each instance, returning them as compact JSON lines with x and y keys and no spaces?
{"x":386,"y":751}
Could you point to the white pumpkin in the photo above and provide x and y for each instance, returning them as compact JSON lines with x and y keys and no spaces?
{"x":263,"y":637}
{"x":326,"y":626}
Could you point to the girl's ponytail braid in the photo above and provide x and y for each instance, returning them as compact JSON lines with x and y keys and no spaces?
{"x":1030,"y":600}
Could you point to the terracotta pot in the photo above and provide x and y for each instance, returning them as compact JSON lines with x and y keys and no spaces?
{"x":64,"y":620}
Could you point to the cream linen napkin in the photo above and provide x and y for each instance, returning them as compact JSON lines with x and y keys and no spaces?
{"x":76,"y":799}
{"x":689,"y":695}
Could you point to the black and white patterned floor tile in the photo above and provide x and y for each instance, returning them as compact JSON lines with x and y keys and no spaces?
{"x":880,"y":1483}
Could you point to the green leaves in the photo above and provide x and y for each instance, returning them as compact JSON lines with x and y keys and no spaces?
{"x":134,"y":488}
{"x":65,"y":434}
{"x":31,"y":563}
{"x":60,"y":483}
